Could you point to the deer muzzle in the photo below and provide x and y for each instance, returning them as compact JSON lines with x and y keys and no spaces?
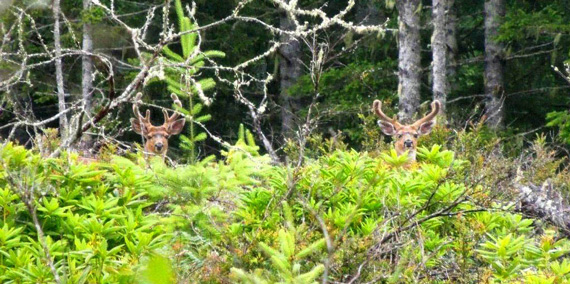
{"x":159,"y":147}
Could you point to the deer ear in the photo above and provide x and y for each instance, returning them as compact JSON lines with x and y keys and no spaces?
{"x":137,"y":128}
{"x":426,"y":127}
{"x":387,"y":127}
{"x":177,"y":126}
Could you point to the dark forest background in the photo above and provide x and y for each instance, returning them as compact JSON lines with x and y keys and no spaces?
{"x":358,"y":68}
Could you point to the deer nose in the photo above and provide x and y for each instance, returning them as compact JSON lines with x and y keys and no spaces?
{"x":408,"y":143}
{"x":159,"y":146}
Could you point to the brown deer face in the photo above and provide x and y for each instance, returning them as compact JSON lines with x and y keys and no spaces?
{"x":157,"y":136}
{"x":406,"y":135}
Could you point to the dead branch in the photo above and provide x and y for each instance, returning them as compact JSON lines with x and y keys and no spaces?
{"x":544,"y":202}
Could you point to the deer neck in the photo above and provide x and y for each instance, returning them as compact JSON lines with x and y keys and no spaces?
{"x":412,"y":155}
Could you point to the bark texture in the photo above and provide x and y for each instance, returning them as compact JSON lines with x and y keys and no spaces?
{"x":63,"y":125}
{"x":494,"y":64}
{"x":289,"y":72}
{"x":409,"y":68}
{"x":87,"y":74}
{"x":451,"y":41}
{"x":87,"y":62}
{"x":439,"y":51}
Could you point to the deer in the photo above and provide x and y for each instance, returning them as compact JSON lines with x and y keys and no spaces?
{"x":407,"y":134}
{"x":157,"y":136}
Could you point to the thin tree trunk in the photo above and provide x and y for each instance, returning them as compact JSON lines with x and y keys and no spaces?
{"x":289,"y":72}
{"x":87,"y":73}
{"x":451,"y":39}
{"x":63,"y":125}
{"x":409,"y":69}
{"x":439,"y":50}
{"x":494,"y":64}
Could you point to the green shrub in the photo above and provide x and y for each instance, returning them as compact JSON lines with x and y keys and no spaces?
{"x":342,"y":214}
{"x":384,"y":222}
{"x":93,"y":219}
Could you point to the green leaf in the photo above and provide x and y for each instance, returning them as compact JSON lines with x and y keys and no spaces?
{"x":158,"y":271}
{"x":204,"y":118}
{"x":196,"y":109}
{"x":200,"y":137}
{"x":287,"y":241}
{"x":172,"y":55}
{"x":311,"y":249}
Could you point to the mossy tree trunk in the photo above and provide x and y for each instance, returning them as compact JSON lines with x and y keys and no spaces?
{"x":494,"y":64}
{"x":289,"y":73}
{"x":409,"y":68}
{"x":87,"y":73}
{"x":63,"y":125}
{"x":439,"y":51}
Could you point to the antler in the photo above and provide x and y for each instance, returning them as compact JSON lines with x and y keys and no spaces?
{"x":435,"y":106}
{"x":377,"y":106}
{"x":144,"y":119}
{"x":170,"y":119}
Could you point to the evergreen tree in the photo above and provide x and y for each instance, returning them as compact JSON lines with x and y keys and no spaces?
{"x":181,"y":81}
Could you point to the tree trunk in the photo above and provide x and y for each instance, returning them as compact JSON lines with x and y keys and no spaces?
{"x":87,"y":74}
{"x":451,"y":39}
{"x":63,"y":125}
{"x":289,"y":72}
{"x":439,"y":51}
{"x":409,"y":69}
{"x":494,"y":64}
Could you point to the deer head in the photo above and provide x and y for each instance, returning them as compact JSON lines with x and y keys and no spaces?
{"x":407,"y":135}
{"x":157,"y":136}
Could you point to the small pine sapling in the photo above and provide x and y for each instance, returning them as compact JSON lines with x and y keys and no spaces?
{"x":180,"y":80}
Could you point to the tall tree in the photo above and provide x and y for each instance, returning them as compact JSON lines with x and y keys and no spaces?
{"x":63,"y":126}
{"x":409,"y":68}
{"x":451,"y":42}
{"x":87,"y":70}
{"x":439,"y":51}
{"x":494,"y":64}
{"x":289,"y":72}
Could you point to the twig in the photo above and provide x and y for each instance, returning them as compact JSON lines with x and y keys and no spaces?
{"x":26,"y":193}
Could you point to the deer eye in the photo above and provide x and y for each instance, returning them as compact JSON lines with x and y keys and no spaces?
{"x":400,"y":136}
{"x":416,"y":135}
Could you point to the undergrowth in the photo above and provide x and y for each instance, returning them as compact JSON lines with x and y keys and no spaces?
{"x":343,"y":215}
